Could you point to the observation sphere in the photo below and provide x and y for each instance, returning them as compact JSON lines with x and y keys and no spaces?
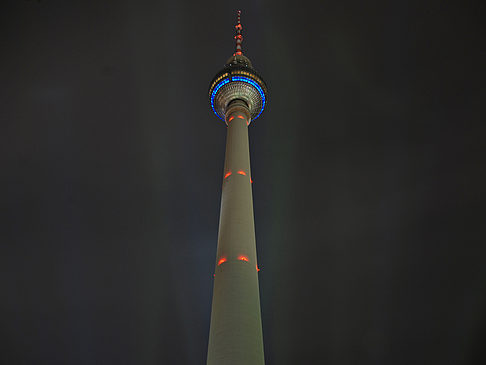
{"x":238,"y":80}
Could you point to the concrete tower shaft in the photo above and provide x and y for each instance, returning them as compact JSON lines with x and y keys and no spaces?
{"x":236,"y":332}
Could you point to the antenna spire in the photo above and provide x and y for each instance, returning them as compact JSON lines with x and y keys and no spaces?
{"x":238,"y":36}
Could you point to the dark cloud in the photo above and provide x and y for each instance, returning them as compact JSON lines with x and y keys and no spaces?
{"x":368,"y":166}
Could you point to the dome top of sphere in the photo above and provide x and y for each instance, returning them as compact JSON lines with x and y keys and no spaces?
{"x":239,"y":60}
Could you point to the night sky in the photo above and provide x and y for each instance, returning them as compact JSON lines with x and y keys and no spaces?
{"x":368,"y":167}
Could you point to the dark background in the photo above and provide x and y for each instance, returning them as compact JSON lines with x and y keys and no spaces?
{"x":368,"y":166}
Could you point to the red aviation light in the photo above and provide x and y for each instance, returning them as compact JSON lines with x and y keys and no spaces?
{"x":221,"y":260}
{"x":243,"y":258}
{"x":241,"y":172}
{"x":230,"y":118}
{"x":227,"y":174}
{"x":257,"y":268}
{"x":240,"y":116}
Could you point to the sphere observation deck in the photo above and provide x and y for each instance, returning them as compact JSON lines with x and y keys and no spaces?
{"x":238,"y":81}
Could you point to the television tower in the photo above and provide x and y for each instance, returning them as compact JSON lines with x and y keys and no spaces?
{"x":238,"y":96}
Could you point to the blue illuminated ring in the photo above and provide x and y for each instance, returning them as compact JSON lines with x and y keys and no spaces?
{"x":238,"y":78}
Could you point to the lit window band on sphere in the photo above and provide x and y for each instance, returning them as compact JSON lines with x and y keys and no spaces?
{"x":246,"y":96}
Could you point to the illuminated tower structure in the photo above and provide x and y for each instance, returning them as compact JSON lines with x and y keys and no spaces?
{"x":238,"y":96}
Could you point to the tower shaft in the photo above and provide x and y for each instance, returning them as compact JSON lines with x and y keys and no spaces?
{"x":235,"y":336}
